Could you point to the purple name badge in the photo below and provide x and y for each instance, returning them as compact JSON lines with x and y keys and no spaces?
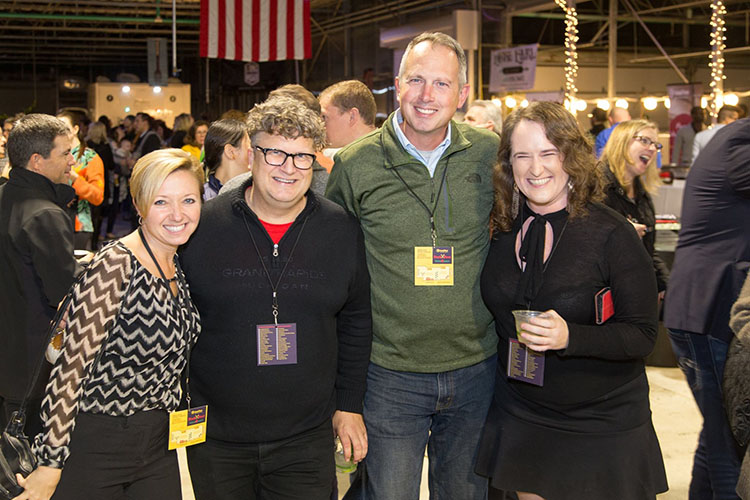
{"x":277,"y":344}
{"x":442,"y":255}
{"x":524,"y":364}
{"x":197,"y":415}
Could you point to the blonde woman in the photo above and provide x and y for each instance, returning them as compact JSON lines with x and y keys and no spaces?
{"x":130,"y":326}
{"x":629,"y":167}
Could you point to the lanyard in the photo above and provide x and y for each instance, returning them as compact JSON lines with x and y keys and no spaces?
{"x":179,"y":310}
{"x":274,"y":288}
{"x":431,"y":213}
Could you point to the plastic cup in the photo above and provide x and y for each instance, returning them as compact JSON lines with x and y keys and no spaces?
{"x":342,"y":464}
{"x":523,"y":316}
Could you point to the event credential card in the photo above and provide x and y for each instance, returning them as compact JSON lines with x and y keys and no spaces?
{"x":277,"y":344}
{"x":433,"y":266}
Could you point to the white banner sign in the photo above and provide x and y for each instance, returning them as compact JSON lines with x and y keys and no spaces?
{"x":513,"y":68}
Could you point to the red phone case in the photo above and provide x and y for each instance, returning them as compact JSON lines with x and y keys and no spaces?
{"x":605,"y":308}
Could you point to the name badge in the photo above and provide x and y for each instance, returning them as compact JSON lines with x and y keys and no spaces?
{"x":187,"y":427}
{"x":277,"y":344}
{"x":433,"y":266}
{"x":524,"y":364}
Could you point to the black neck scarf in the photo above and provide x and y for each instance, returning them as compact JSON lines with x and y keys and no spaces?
{"x":532,"y":252}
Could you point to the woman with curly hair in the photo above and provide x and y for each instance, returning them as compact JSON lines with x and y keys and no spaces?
{"x":570,"y":417}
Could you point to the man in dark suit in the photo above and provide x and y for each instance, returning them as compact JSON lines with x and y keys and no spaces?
{"x":711,"y":262}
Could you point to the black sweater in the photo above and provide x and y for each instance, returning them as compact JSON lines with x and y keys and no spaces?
{"x":595,"y":251}
{"x":325,"y":291}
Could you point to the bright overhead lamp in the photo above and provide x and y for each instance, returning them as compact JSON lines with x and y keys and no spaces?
{"x":731,"y":99}
{"x":650,"y":103}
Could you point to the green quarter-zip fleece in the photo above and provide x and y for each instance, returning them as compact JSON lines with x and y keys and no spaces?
{"x":424,"y":329}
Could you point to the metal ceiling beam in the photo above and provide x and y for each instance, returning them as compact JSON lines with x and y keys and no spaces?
{"x":84,"y":29}
{"x":81,"y":39}
{"x":87,"y":18}
{"x":76,"y":3}
{"x":703,"y":21}
{"x":684,"y":55}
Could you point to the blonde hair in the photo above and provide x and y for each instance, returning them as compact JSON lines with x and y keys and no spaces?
{"x":616,"y":154}
{"x":151,"y":170}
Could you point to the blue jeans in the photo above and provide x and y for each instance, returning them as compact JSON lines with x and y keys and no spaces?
{"x":404,"y":412}
{"x":716,"y":465}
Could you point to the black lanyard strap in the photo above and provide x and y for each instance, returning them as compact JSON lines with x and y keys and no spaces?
{"x":179,"y":310}
{"x":431,"y":213}
{"x":274,"y":287}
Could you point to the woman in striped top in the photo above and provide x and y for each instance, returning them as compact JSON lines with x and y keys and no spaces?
{"x":130,"y":326}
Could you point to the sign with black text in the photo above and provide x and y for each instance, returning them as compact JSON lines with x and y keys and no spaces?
{"x":513,"y":68}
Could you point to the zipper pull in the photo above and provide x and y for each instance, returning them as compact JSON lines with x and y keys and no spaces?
{"x":275,"y":249}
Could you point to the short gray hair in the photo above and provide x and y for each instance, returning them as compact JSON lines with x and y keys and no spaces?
{"x":34,"y":133}
{"x":492,"y":111}
{"x":287,"y":117}
{"x":437,"y":38}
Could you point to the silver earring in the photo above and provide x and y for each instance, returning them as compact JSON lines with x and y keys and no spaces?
{"x":140,"y":220}
{"x":515,"y":205}
{"x":570,"y":185}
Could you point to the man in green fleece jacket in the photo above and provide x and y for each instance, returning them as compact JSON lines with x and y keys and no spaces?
{"x":421,"y":187}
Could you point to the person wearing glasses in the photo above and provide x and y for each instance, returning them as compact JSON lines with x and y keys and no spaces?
{"x":280,"y":277}
{"x":629,"y":167}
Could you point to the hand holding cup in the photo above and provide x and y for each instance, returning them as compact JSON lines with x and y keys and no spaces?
{"x":541,"y":330}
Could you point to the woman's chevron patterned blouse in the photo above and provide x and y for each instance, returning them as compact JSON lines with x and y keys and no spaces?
{"x":126,"y":316}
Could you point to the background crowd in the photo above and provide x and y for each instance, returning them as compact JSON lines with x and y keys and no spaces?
{"x":361,"y":279}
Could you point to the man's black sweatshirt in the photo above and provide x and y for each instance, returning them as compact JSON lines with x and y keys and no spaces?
{"x":324,"y":290}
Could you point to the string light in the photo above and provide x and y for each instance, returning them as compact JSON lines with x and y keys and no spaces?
{"x":731,"y":99}
{"x":602,"y":103}
{"x":621,"y":103}
{"x":716,"y":57}
{"x":571,"y":55}
{"x":650,"y":103}
{"x":510,"y":102}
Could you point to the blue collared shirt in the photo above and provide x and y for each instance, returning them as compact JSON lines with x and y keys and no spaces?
{"x":433,"y":159}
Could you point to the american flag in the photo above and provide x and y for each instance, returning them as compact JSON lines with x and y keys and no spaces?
{"x":255,"y":30}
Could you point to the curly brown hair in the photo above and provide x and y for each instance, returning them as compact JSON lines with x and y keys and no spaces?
{"x":562,"y":130}
{"x":287,"y":117}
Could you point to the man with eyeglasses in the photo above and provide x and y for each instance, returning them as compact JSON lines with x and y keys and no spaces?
{"x":280,"y":279}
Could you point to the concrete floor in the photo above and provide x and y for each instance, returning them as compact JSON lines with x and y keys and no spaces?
{"x":676,"y":419}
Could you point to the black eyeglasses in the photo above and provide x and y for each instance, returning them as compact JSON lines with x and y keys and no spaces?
{"x":648,"y":142}
{"x":277,"y":157}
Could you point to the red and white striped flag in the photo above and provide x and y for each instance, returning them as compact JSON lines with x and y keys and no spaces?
{"x":255,"y":30}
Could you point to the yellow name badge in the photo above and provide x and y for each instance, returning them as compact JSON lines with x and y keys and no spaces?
{"x":433,"y":266}
{"x":187,"y":427}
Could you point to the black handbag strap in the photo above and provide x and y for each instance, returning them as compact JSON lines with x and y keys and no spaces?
{"x":16,"y":424}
